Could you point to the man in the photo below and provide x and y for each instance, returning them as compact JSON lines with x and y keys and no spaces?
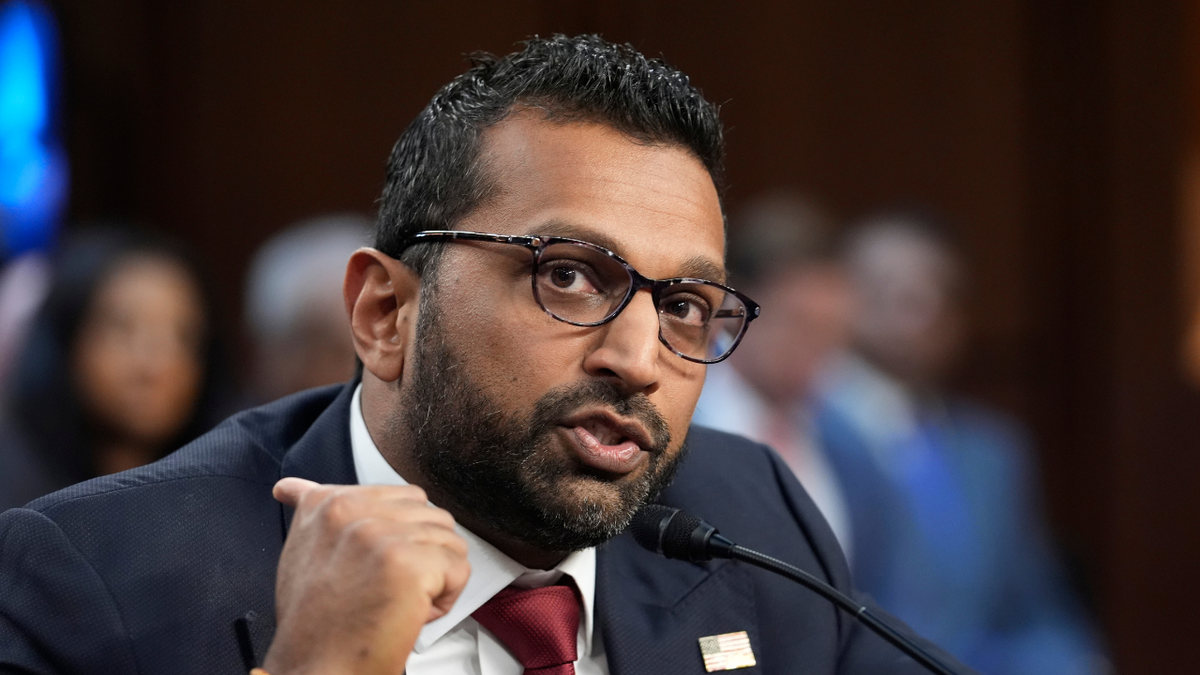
{"x":781,"y":253}
{"x":523,"y":373}
{"x":946,"y":530}
{"x":294,"y":309}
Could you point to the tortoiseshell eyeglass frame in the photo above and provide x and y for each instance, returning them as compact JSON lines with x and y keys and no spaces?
{"x":537,"y":244}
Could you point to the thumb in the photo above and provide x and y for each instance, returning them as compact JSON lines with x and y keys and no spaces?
{"x":289,"y":490}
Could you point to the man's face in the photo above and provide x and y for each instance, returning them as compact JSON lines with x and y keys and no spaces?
{"x":910,"y":321}
{"x":531,"y":429}
{"x":812,"y":311}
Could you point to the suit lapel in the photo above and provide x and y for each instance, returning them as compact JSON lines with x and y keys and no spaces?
{"x":323,"y":453}
{"x":653,"y":611}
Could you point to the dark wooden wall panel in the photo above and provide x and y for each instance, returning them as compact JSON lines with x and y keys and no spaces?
{"x":1157,"y":433}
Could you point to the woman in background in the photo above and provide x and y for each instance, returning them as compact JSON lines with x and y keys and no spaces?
{"x":120,"y":366}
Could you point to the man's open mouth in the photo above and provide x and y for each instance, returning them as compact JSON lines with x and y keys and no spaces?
{"x":606,"y":442}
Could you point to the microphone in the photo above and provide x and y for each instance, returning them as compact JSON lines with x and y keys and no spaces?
{"x":675,"y":534}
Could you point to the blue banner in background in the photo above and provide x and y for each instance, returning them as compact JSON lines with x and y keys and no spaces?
{"x":33,"y":165}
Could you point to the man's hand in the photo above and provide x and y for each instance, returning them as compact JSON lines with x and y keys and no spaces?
{"x":363,"y":569}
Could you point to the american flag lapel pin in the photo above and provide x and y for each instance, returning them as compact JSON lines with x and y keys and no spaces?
{"x":726,"y":652}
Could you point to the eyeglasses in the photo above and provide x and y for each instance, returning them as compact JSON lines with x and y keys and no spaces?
{"x":583,"y":284}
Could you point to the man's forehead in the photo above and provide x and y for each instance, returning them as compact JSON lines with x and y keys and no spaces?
{"x":589,"y":181}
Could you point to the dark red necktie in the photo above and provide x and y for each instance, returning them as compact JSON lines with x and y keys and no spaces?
{"x":538,"y":625}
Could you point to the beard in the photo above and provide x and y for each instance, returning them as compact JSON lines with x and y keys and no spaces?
{"x":505,"y":468}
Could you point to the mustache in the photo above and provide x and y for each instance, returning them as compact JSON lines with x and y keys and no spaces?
{"x":560,"y":402}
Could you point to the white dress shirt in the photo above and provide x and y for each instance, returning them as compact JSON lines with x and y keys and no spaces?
{"x":456,"y":644}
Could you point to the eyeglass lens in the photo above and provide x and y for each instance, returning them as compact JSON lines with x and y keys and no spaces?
{"x":583,"y":285}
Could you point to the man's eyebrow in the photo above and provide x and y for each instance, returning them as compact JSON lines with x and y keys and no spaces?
{"x":703,"y":268}
{"x":698,"y":267}
{"x":562,"y":228}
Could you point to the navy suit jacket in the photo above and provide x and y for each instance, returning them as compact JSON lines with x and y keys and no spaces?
{"x":170,"y":568}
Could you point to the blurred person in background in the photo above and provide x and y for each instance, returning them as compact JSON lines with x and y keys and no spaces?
{"x":119,"y":367}
{"x":294,"y":308}
{"x":781,"y":251}
{"x":942,"y":492}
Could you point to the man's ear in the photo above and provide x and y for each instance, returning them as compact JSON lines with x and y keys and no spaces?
{"x":382,"y":297}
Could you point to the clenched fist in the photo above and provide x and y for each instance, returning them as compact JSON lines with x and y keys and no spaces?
{"x":363,"y":569}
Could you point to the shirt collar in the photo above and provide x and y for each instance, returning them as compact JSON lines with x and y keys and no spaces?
{"x":491,"y":570}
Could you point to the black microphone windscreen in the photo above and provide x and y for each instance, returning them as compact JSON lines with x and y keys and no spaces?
{"x":649,"y":524}
{"x":667,"y":531}
{"x":677,"y":541}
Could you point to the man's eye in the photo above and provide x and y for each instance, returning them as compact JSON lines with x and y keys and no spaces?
{"x":569,"y":277}
{"x":690,"y":310}
{"x":563,"y":277}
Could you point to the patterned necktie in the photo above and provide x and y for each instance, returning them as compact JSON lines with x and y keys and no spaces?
{"x":538,"y":625}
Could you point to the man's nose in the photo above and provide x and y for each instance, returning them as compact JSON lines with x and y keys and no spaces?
{"x":629,"y":349}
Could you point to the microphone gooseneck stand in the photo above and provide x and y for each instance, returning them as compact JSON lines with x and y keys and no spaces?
{"x":673,"y":533}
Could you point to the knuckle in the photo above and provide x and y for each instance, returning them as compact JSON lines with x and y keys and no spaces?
{"x":459,"y":572}
{"x":416,"y":493}
{"x":399,"y":559}
{"x":443,"y":517}
{"x":457,"y":545}
{"x":363,"y":533}
{"x":337,"y":509}
{"x":310,"y":499}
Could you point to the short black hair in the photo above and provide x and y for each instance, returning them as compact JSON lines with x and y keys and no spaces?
{"x":434,"y":176}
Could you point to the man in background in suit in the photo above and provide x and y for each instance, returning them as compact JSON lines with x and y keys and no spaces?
{"x":941,"y":490}
{"x":534,"y":325}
